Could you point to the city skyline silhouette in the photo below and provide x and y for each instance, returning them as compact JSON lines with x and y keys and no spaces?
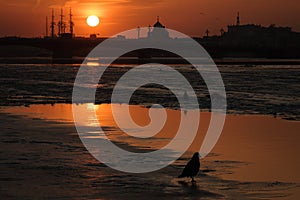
{"x":27,"y":19}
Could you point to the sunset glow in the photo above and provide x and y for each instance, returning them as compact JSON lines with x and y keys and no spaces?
{"x":191,"y":17}
{"x":92,"y":21}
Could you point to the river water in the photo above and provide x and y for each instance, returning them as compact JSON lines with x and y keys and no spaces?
{"x":255,"y":157}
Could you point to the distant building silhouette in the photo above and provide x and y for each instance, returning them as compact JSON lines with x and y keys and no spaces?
{"x":158,"y":31}
{"x":238,"y":41}
{"x":252,"y":40}
{"x":257,"y":35}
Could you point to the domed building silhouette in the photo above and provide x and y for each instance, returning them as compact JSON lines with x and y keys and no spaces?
{"x":158,"y":31}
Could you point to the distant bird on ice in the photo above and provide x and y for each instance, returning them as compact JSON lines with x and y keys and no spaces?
{"x":192,"y":167}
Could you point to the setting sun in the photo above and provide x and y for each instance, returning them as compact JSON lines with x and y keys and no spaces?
{"x":93,"y":21}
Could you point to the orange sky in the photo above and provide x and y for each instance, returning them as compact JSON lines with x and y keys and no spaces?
{"x":192,"y":17}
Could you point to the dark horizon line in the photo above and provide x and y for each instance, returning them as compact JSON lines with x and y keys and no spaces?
{"x":105,"y":37}
{"x":193,"y":36}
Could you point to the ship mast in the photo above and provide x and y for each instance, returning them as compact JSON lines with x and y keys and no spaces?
{"x":61,"y":24}
{"x":71,"y":23}
{"x":46,"y":26}
{"x":52,"y":24}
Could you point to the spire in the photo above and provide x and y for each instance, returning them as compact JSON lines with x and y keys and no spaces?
{"x":238,"y":19}
{"x":139,"y":31}
{"x":158,"y":24}
{"x":222,"y":31}
{"x":207,"y":33}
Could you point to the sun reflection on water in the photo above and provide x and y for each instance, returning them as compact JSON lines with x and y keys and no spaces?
{"x":270,"y":143}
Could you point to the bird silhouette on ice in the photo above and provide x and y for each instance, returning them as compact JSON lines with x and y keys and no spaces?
{"x":192,"y":167}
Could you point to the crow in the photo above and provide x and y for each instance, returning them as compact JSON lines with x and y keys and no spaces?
{"x":192,"y":167}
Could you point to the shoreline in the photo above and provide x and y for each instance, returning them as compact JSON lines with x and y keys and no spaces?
{"x":231,"y":112}
{"x":134,"y":60}
{"x":270,"y":90}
